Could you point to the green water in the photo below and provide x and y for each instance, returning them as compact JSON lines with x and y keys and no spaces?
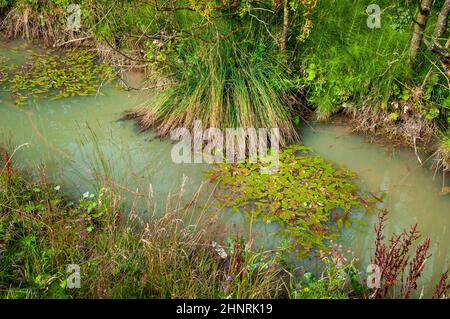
{"x":412,"y":194}
{"x":81,"y":140}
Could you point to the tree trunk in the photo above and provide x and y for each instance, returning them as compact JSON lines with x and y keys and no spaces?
{"x":439,"y":31}
{"x":442,"y":22}
{"x":285,"y":25}
{"x":421,"y":19}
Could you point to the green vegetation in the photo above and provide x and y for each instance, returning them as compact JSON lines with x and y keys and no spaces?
{"x":365,"y":72}
{"x":234,"y":63}
{"x":445,"y":144}
{"x":228,"y":63}
{"x":56,"y":75}
{"x":41,"y":233}
{"x":349,"y":64}
{"x":303,"y":196}
{"x":442,"y":155}
{"x":223,"y":85}
{"x":217,"y":56}
{"x":339,"y":276}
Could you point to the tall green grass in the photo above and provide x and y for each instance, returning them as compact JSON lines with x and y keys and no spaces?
{"x":346,"y":61}
{"x":351,"y":65}
{"x":226,"y":84}
{"x":442,"y":154}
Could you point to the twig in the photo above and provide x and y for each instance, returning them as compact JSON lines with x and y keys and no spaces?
{"x":73,"y":40}
{"x":415,"y":151}
{"x":13,"y":153}
{"x":123,"y":54}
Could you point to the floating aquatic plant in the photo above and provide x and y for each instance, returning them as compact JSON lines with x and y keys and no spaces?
{"x":304,"y":196}
{"x":56,"y":75}
{"x":3,"y":70}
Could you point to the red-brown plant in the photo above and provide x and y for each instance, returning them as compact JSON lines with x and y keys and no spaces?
{"x":442,"y":290}
{"x":393,"y":259}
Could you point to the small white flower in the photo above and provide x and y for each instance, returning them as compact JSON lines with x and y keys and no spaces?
{"x":86,"y":195}
{"x":92,"y":196}
{"x":57,"y":188}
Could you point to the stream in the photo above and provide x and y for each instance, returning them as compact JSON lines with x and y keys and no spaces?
{"x":412,"y":194}
{"x":80,"y":139}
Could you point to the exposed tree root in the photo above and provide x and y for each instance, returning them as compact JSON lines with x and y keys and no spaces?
{"x":410,"y":129}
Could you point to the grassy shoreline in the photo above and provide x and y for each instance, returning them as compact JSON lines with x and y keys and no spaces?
{"x":121,"y":253}
{"x":41,"y":234}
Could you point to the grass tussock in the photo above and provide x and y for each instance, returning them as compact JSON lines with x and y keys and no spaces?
{"x":442,"y":154}
{"x":225,"y":86}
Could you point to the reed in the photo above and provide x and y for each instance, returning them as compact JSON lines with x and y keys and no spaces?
{"x":224,"y":86}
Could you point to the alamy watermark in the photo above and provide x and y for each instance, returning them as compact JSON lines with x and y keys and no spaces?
{"x":374,"y":18}
{"x":235,"y":145}
{"x":74,"y":18}
{"x":374,"y":279}
{"x":73,"y":280}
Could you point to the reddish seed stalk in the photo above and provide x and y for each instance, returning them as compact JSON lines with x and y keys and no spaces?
{"x":392,"y":258}
{"x":416,"y":267}
{"x":442,"y":289}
